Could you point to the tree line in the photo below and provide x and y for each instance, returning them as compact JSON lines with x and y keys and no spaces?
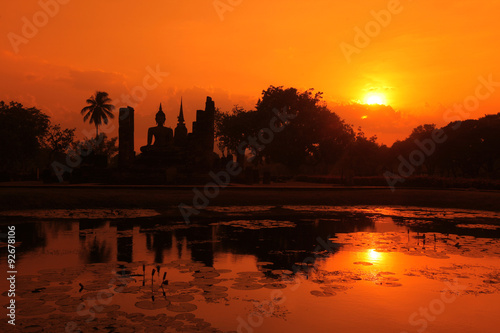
{"x":30,"y":142}
{"x":318,"y":141}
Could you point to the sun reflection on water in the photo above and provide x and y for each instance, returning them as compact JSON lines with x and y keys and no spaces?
{"x":373,"y":256}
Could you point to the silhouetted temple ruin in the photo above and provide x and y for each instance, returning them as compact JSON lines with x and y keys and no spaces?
{"x":172,"y":151}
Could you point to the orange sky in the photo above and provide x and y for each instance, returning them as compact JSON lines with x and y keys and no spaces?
{"x":427,"y":58}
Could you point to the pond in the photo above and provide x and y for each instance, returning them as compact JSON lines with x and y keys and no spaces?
{"x":256,"y":269}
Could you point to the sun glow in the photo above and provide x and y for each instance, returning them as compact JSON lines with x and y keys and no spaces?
{"x":375,"y":99}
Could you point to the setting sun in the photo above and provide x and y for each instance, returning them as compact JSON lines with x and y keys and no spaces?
{"x":375,"y":99}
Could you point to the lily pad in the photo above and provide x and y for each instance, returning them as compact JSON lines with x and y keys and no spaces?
{"x":275,"y":286}
{"x":135,"y":316}
{"x":215,"y":289}
{"x":388,"y":284}
{"x":250,"y":274}
{"x":364,"y":263}
{"x":180,"y":298}
{"x":206,"y":275}
{"x":53,"y":297}
{"x":264,"y":263}
{"x":199,"y":282}
{"x":247,"y":286}
{"x":185,"y":316}
{"x":215,"y":295}
{"x":128,"y":289}
{"x":69,"y":301}
{"x":97,"y":295}
{"x":181,"y":307}
{"x":324,"y":293}
{"x":179,"y":285}
{"x":36,"y":311}
{"x":105,"y":308}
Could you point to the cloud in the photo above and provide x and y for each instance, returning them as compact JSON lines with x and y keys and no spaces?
{"x":92,"y":80}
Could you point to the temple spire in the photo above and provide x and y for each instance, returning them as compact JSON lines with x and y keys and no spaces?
{"x":180,"y":118}
{"x":160,"y":108}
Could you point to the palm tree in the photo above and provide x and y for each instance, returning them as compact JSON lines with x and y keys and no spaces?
{"x":98,"y":110}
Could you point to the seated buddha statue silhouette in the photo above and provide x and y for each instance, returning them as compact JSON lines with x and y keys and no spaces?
{"x":163,"y":136}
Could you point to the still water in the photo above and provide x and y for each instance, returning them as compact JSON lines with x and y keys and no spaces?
{"x":256,"y":269}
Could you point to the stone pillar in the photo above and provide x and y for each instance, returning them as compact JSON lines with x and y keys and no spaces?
{"x":210,"y":123}
{"x":180,"y":135}
{"x":126,"y":151}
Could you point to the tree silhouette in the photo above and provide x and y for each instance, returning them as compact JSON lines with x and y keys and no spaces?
{"x":234,"y":127}
{"x":22,"y":130}
{"x":316,"y":134}
{"x":103,"y":146}
{"x":58,"y":140}
{"x":98,"y":110}
{"x":363,"y":156}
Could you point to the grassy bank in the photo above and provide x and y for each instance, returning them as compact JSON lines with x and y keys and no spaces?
{"x":413,"y":181}
{"x":14,"y":198}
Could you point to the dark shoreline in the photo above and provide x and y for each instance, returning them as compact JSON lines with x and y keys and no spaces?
{"x":164,"y":198}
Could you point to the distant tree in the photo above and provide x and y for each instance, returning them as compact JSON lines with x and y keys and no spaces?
{"x":102,"y":147}
{"x":336,"y":136}
{"x":108,"y":147}
{"x":21,"y":136}
{"x":314,"y":135}
{"x":471,"y":149}
{"x":489,"y":143}
{"x":232,"y":128}
{"x":98,"y":110}
{"x":58,"y":140}
{"x":363,"y":156}
{"x":422,"y":136}
{"x":422,"y":131}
